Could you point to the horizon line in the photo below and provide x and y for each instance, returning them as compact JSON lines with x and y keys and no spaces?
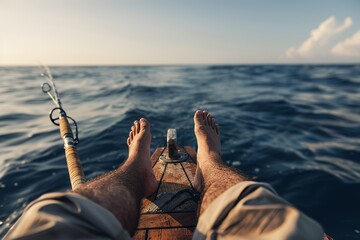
{"x":176,"y":64}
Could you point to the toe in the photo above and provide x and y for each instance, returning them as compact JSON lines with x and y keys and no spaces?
{"x":128,"y":141}
{"x":209,"y":120}
{"x":212,"y":122}
{"x":144,"y":124}
{"x":198,"y":114}
{"x":205,"y":114}
{"x":217,"y":129}
{"x":131,"y":135}
{"x":137,"y":126}
{"x":198,"y":117}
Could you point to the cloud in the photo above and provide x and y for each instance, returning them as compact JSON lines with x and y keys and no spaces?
{"x":350,"y":47}
{"x":318,"y":38}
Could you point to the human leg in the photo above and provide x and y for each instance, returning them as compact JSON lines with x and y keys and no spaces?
{"x":213,"y":176}
{"x":122,"y":190}
{"x":233,"y":208}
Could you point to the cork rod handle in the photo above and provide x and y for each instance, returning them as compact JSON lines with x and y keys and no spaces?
{"x":76,"y":173}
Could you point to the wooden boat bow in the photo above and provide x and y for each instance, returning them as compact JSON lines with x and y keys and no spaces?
{"x":171,"y":212}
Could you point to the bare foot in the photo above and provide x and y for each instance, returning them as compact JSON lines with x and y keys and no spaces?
{"x":208,"y":140}
{"x":139,"y":141}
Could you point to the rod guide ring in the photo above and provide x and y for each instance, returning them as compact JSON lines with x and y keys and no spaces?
{"x":45,"y":87}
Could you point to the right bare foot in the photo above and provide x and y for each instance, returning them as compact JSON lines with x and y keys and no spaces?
{"x":208,"y":140}
{"x":213,"y":176}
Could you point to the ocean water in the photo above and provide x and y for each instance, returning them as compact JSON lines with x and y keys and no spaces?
{"x":296,"y":127}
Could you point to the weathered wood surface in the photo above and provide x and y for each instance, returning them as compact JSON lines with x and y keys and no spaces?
{"x":180,"y":233}
{"x":161,"y":217}
{"x":167,"y":220}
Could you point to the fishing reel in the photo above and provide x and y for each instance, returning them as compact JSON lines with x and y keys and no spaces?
{"x":62,"y":113}
{"x":46,"y":88}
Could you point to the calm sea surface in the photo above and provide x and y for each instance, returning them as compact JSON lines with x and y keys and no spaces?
{"x":296,"y":127}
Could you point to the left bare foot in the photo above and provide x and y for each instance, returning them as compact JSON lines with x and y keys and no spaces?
{"x":139,"y":141}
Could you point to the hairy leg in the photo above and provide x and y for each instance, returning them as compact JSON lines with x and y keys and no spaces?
{"x":121,"y":191}
{"x":213,"y":176}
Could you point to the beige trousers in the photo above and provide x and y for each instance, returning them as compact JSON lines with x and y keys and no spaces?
{"x":248,"y":210}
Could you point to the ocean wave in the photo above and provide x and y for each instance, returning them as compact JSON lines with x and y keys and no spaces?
{"x":296,"y":127}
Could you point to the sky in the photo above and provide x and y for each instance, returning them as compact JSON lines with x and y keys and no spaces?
{"x":134,"y":32}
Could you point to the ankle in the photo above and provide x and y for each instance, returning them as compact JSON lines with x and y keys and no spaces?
{"x":209,"y":155}
{"x":209,"y":159}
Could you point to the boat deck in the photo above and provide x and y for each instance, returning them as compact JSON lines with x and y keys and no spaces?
{"x":171,"y":212}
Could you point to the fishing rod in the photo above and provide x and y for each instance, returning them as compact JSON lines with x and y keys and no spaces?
{"x":76,"y":173}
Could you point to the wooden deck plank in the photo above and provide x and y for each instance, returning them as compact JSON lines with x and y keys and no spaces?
{"x":177,"y":233}
{"x":167,"y":220}
{"x":174,"y":179}
{"x":140,"y":235}
{"x":159,"y":169}
{"x":156,"y":155}
{"x":190,"y":170}
{"x":191,"y":152}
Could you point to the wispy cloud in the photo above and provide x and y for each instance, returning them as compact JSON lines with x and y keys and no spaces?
{"x":318,"y":38}
{"x":350,"y":47}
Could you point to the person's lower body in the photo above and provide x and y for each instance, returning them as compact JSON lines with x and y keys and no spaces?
{"x":122,"y":190}
{"x":230,"y":205}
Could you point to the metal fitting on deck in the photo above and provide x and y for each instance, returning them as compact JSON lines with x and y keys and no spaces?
{"x":173,"y":154}
{"x":171,"y":144}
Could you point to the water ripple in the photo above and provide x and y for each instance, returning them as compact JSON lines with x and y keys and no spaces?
{"x":296,"y":127}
